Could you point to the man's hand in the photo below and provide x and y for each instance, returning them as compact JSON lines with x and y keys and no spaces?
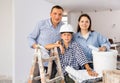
{"x":34,"y":46}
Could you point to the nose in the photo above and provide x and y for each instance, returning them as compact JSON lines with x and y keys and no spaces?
{"x":57,"y":16}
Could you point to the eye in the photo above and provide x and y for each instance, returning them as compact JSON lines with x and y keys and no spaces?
{"x":81,"y":21}
{"x":87,"y":21}
{"x":60,"y":14}
{"x":54,"y":13}
{"x":64,"y":34}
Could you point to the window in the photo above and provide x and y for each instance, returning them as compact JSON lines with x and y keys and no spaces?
{"x":65,"y":19}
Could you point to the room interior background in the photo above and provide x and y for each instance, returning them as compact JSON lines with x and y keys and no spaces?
{"x":17,"y":20}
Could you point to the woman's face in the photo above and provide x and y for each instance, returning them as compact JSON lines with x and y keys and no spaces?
{"x":84,"y":23}
{"x":66,"y":37}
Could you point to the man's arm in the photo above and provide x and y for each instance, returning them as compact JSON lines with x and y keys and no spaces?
{"x":50,"y":46}
{"x":34,"y":46}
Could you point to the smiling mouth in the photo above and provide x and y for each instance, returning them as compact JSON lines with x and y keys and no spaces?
{"x":67,"y":39}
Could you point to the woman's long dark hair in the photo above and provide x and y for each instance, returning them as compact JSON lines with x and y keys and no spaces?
{"x":84,"y":15}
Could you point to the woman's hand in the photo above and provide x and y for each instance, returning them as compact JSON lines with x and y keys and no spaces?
{"x":103,"y":48}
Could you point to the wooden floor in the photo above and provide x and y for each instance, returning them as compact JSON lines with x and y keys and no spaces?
{"x":5,"y":79}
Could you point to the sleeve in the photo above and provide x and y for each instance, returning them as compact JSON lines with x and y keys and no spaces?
{"x":79,"y":55}
{"x":103,"y":41}
{"x":32,"y":37}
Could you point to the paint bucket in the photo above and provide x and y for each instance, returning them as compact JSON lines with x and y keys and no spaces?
{"x":104,"y":60}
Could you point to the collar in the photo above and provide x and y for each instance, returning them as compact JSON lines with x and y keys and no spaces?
{"x":70,"y":45}
{"x":51,"y":25}
{"x":80,"y":36}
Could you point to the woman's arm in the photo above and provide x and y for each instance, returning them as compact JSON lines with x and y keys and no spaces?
{"x":103,"y":42}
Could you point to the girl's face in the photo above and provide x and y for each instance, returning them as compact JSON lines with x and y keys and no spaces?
{"x":66,"y":37}
{"x":84,"y":23}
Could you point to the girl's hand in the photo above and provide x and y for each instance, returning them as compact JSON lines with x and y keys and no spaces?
{"x":92,"y":73}
{"x":62,"y":49}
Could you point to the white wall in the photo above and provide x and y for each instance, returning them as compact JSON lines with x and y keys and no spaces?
{"x":6,"y":38}
{"x":27,"y":14}
{"x":105,"y":22}
{"x":73,"y":19}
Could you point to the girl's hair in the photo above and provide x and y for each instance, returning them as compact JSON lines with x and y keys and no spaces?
{"x":66,"y":32}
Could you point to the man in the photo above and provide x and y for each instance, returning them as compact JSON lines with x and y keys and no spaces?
{"x":47,"y":32}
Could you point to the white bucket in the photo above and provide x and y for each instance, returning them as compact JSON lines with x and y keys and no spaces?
{"x":104,"y":60}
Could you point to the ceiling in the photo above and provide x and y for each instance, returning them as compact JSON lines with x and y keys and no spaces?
{"x":87,"y":5}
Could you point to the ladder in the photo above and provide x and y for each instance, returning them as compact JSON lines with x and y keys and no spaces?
{"x":45,"y":76}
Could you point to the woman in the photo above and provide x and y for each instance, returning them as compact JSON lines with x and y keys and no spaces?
{"x":89,"y":39}
{"x":73,"y":55}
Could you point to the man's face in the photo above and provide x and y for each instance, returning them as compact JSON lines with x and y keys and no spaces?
{"x":56,"y":16}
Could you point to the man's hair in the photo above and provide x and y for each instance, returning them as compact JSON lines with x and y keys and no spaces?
{"x":58,"y":7}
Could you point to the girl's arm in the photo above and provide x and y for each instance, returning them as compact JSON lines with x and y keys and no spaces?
{"x":90,"y":71}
